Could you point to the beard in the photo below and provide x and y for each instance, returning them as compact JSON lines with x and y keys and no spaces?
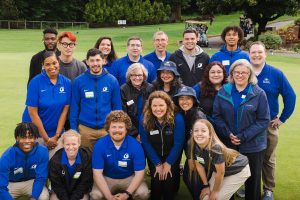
{"x":53,"y":49}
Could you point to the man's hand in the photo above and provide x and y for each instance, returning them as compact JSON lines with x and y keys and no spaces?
{"x":121,"y":196}
{"x":234,"y":139}
{"x":204,"y":192}
{"x":275,"y":123}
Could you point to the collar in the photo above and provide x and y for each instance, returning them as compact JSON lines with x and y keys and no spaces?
{"x":129,"y":61}
{"x":46,"y":77}
{"x":124,"y":144}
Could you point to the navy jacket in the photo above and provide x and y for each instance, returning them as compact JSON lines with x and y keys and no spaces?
{"x":17,"y":166}
{"x":253,"y":118}
{"x":228,"y":57}
{"x":152,"y":57}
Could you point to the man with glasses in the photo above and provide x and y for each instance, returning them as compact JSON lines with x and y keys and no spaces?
{"x":134,"y":50}
{"x":69,"y":66}
{"x":50,"y":41}
{"x":160,"y":54}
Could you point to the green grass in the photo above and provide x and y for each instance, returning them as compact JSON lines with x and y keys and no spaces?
{"x":17,"y":47}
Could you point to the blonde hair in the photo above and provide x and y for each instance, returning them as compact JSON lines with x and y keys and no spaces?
{"x":159,"y":33}
{"x":134,"y":67}
{"x":71,"y":133}
{"x":242,"y":62}
{"x":229,"y":154}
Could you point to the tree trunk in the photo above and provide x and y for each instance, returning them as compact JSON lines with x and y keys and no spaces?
{"x":261,"y":26}
{"x":176,"y":12}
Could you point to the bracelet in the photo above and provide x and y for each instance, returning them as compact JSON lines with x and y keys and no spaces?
{"x":128,"y":193}
{"x":205,"y":185}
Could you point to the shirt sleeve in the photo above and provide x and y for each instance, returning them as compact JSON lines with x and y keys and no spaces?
{"x":116,"y":96}
{"x":139,"y":158}
{"x":75,"y":105}
{"x":4,"y":176}
{"x":32,"y":98}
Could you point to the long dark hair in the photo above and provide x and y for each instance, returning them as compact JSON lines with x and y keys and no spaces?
{"x":112,"y":56}
{"x":206,"y":87}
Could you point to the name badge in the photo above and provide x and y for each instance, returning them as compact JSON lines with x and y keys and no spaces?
{"x":200,"y":160}
{"x":243,"y":96}
{"x":122,"y":163}
{"x":225,"y":62}
{"x":130,"y":102}
{"x":89,"y":94}
{"x":77,"y":175}
{"x":155,"y":132}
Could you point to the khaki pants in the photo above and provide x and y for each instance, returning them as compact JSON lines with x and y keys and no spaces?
{"x":52,"y":151}
{"x":17,"y":189}
{"x":89,"y":136}
{"x":230,"y":184}
{"x":115,"y":185}
{"x":269,"y":163}
{"x":54,"y":197}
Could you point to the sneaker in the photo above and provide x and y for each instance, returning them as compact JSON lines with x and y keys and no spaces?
{"x":241,"y":193}
{"x":268,"y":195}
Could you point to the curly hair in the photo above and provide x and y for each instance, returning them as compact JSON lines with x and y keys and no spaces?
{"x":23,"y":129}
{"x":236,"y":29}
{"x":149,"y":118}
{"x":206,"y":87}
{"x":112,"y":56}
{"x":118,"y":116}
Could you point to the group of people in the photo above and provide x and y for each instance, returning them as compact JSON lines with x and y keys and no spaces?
{"x":99,"y":120}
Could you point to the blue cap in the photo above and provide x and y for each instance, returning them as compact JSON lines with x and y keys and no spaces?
{"x":169,"y":66}
{"x":185,"y":91}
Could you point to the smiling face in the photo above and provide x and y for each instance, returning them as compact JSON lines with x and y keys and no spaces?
{"x":95,"y":64}
{"x":189,"y":41}
{"x":26,"y":143}
{"x":257,"y":55}
{"x":232,"y":38}
{"x":161,"y":42}
{"x":216,"y":75}
{"x":166,"y":76}
{"x":105,"y":46}
{"x":71,"y":146}
{"x":50,"y":41}
{"x":117,"y":131}
{"x":51,"y":66}
{"x":201,"y":134}
{"x":134,"y":48}
{"x":159,"y":108}
{"x":137,"y":77}
{"x":241,"y":75}
{"x":186,"y":102}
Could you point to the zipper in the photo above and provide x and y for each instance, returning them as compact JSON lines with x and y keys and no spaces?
{"x":96,"y":95}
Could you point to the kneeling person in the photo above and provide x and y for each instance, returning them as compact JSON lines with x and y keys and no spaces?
{"x":70,"y":170}
{"x":118,"y":162}
{"x":24,"y":166}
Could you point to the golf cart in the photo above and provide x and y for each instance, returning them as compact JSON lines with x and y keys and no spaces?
{"x":201,"y":28}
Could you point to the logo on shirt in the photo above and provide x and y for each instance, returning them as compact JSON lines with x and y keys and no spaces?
{"x":199,"y":65}
{"x":33,"y":166}
{"x":267,"y":81}
{"x":18,"y":170}
{"x":108,"y":155}
{"x":62,"y":90}
{"x":63,"y":172}
{"x":43,"y":90}
{"x":126,"y":156}
{"x":104,"y":89}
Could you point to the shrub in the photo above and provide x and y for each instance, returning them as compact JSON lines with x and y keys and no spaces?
{"x":271,"y":40}
{"x":297,"y":21}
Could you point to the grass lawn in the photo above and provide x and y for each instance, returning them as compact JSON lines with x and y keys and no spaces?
{"x":17,"y":47}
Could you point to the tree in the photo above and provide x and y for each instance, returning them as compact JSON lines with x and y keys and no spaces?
{"x":263,"y":11}
{"x":8,"y":10}
{"x":176,"y":7}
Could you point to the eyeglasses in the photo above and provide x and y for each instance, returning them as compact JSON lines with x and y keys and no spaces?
{"x":137,"y":75}
{"x":236,"y":73}
{"x":66,"y":45}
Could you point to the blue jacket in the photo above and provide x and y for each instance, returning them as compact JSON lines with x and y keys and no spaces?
{"x":17,"y":166}
{"x":152,"y":57}
{"x":120,"y":66}
{"x":253,"y":118}
{"x":228,"y":57}
{"x":164,"y":141}
{"x":274,"y":82}
{"x":94,"y":97}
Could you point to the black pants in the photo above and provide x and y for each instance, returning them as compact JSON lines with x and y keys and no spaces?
{"x":252,"y":185}
{"x":193,"y":182}
{"x":165,"y":189}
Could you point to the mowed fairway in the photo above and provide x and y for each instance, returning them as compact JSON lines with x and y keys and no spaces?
{"x":17,"y":47}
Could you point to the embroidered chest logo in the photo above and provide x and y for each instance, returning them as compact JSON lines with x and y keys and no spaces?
{"x":33,"y":166}
{"x":61,"y":90}
{"x":126,"y":156}
{"x":104,"y":89}
{"x":266,"y":81}
{"x":199,"y":65}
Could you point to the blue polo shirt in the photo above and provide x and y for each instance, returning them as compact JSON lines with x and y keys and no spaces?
{"x":71,"y":168}
{"x":152,"y":57}
{"x":118,"y":163}
{"x":50,"y":100}
{"x":120,"y":66}
{"x":238,"y":98}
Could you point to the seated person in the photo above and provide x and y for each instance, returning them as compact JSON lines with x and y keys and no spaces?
{"x":70,"y":169}
{"x":118,"y":162}
{"x":24,"y":166}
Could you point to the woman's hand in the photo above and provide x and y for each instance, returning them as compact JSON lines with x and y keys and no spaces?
{"x":52,"y":142}
{"x":213,"y":195}
{"x":166,"y":170}
{"x":234,"y":139}
{"x":204,"y":192}
{"x":159,"y":171}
